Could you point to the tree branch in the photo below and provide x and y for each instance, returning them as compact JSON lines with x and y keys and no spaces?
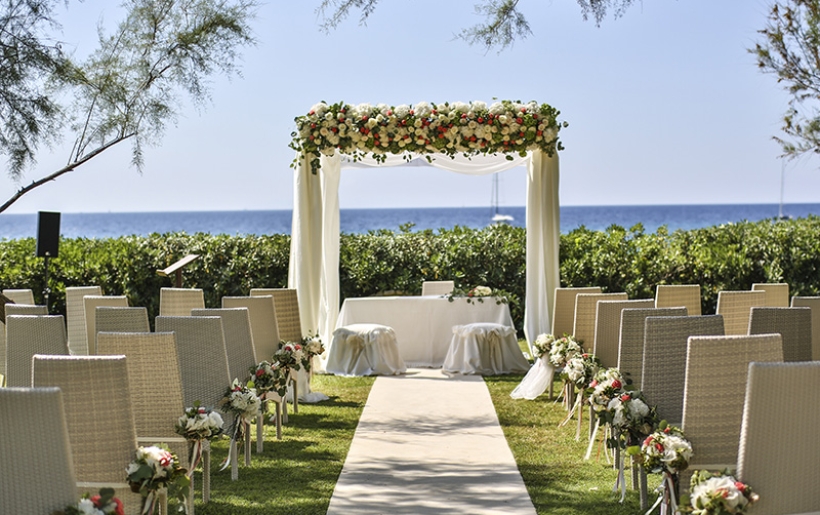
{"x":62,"y":171}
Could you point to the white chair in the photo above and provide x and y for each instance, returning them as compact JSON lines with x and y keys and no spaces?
{"x":677,"y":295}
{"x":363,"y":350}
{"x":814,"y":304}
{"x":27,"y":335}
{"x":90,"y":304}
{"x":178,"y":302}
{"x":484,"y":349}
{"x":21,"y":296}
{"x":75,"y":317}
{"x":437,"y":287}
{"x":735,"y":306}
{"x":777,"y":294}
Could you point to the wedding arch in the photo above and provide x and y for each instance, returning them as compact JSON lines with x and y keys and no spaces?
{"x":469,"y":138}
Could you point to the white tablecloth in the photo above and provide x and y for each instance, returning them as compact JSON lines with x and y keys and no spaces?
{"x":423,"y":325}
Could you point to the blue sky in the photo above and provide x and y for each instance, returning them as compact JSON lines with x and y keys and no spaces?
{"x":665,"y":106}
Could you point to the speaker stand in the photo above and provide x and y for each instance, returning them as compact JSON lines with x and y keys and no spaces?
{"x":46,"y":289}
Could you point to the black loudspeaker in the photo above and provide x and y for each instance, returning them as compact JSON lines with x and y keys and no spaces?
{"x":48,"y":234}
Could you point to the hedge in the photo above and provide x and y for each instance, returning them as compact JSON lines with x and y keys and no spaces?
{"x":726,"y":257}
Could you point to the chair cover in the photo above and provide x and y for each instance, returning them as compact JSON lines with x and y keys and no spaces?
{"x":365,"y":349}
{"x":486,"y":349}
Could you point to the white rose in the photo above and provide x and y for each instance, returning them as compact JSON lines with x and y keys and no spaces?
{"x":87,"y":507}
{"x":402,"y":111}
{"x":132,"y":468}
{"x":478,"y":105}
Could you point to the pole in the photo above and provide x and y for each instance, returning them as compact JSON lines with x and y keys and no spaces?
{"x":46,"y":289}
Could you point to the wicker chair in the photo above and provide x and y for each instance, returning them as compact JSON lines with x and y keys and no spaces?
{"x":203,"y":362}
{"x":288,"y":320}
{"x":91,"y":303}
{"x":437,"y":287}
{"x":27,"y":335}
{"x":608,"y":327}
{"x":814,"y":304}
{"x":777,"y":294}
{"x":664,"y":359}
{"x":75,"y":317}
{"x":15,"y":309}
{"x":716,"y":370}
{"x":264,"y":330}
{"x":236,"y":327}
{"x":22,"y":296}
{"x":100,"y":421}
{"x":178,"y":302}
{"x":793,"y":324}
{"x":676,"y":295}
{"x":586,"y":307}
{"x":38,"y":474}
{"x":112,"y":319}
{"x":735,"y":307}
{"x":154,"y":415}
{"x":778,"y":438}
{"x":630,"y":347}
{"x":563,"y":308}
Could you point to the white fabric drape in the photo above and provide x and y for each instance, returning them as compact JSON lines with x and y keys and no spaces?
{"x":314,"y":253}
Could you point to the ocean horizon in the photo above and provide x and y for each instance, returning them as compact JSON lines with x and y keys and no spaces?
{"x":256,"y":222}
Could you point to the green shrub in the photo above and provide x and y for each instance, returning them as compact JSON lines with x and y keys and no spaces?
{"x":726,"y":257}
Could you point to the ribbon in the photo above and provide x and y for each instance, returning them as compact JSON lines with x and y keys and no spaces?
{"x":592,"y":439}
{"x":148,"y":503}
{"x":620,"y":482}
{"x":194,"y":455}
{"x":666,"y":497}
{"x":236,"y":438}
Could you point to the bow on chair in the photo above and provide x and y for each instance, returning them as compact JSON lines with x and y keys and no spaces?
{"x":494,"y":348}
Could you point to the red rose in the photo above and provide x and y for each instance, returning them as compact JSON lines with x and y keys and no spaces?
{"x":201,"y":410}
{"x":625,"y":397}
{"x":616,"y":384}
{"x":659,"y":447}
{"x":648,"y":441}
{"x":260,"y":373}
{"x":523,"y":109}
{"x":298,"y":347}
{"x":667,"y":429}
{"x":165,"y":460}
{"x":312,"y":125}
{"x":480,"y":120}
{"x":585,"y":355}
{"x":534,"y":116}
{"x":312,"y":112}
{"x":519,"y":121}
{"x":539,"y":133}
{"x":412,"y":112}
{"x":740,"y":486}
{"x":594,"y":383}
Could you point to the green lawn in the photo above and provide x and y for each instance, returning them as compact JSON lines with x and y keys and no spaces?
{"x":297,"y":474}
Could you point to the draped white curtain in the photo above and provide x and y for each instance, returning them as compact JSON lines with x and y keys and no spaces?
{"x":314,"y":251}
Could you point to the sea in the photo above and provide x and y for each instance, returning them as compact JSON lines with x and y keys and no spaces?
{"x":106,"y":225}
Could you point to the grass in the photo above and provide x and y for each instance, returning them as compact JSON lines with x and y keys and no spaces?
{"x":551,"y":462}
{"x":295,"y":475}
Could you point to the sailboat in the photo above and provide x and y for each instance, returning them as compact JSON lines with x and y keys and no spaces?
{"x":498,"y":217}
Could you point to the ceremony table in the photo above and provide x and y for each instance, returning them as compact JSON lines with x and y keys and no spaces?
{"x":423,"y":324}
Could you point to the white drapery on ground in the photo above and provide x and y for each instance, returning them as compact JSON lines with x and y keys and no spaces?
{"x":314,"y":251}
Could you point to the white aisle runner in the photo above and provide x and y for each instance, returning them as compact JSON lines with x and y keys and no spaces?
{"x":429,"y":444}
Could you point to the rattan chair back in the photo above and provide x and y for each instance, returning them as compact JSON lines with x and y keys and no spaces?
{"x":154,"y":415}
{"x":98,"y":414}
{"x":236,"y":327}
{"x":608,"y":327}
{"x":262,"y":314}
{"x":716,"y":370}
{"x":563,"y":308}
{"x":35,"y":456}
{"x":288,"y":320}
{"x":735,"y":306}
{"x":664,"y":359}
{"x":25,"y":309}
{"x":777,"y":294}
{"x":119,"y":319}
{"x":27,"y":335}
{"x":437,"y":287}
{"x":793,"y":324}
{"x":75,"y":317}
{"x":630,"y":347}
{"x":178,"y":302}
{"x":778,"y":438}
{"x":203,"y":361}
{"x":586,"y":308}
{"x":20,"y":296}
{"x":91,"y":303}
{"x":814,"y":304}
{"x":676,"y":295}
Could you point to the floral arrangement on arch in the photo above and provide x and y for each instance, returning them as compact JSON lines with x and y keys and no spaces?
{"x":479,"y":293}
{"x":719,"y":494}
{"x":155,"y":468}
{"x":471,"y":129}
{"x":103,"y":503}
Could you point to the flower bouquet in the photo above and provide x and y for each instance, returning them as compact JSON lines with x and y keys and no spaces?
{"x":578,"y":373}
{"x":196,"y":425}
{"x":543,"y":345}
{"x":719,"y":494}
{"x":666,"y":452}
{"x":563,"y":349}
{"x":268,"y":377}
{"x":606,"y":385}
{"x":311,"y":346}
{"x":290,"y":355}
{"x":103,"y":503}
{"x":155,"y":468}
{"x":242,"y":402}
